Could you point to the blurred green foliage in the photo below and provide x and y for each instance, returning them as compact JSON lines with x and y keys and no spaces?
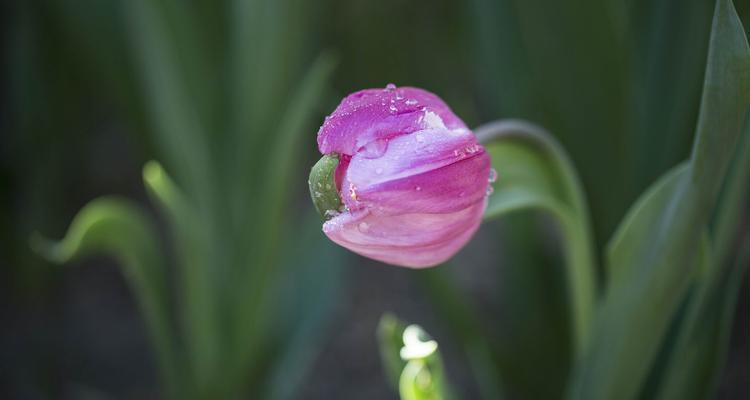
{"x":223,"y":94}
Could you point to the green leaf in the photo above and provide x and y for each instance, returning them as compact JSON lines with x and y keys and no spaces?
{"x":118,"y":227}
{"x":637,"y":224}
{"x":535,"y":173}
{"x":176,"y":124}
{"x":389,"y":334}
{"x":669,"y":40}
{"x":191,"y":242}
{"x":734,"y":196}
{"x":506,"y":79}
{"x":653,"y":271}
{"x":262,"y":228}
{"x":699,"y":353}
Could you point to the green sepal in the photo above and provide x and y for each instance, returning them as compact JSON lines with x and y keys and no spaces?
{"x":323,"y":191}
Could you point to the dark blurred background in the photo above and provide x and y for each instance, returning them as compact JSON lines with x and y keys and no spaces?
{"x":620,"y":93}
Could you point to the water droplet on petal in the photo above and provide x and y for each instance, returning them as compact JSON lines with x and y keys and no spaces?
{"x":493,"y":175}
{"x":390,"y":87}
{"x":363,"y":227}
{"x":375,"y":148}
{"x":399,"y":95}
{"x":472,"y":149}
{"x":490,"y":190}
{"x":392,"y":108}
{"x":410,"y":102}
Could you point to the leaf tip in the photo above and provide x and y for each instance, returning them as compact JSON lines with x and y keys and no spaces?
{"x":46,"y":248}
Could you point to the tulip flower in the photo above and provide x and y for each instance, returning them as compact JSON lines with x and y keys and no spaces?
{"x":402,"y":179}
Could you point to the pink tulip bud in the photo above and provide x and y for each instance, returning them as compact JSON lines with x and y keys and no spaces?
{"x":410,"y":179}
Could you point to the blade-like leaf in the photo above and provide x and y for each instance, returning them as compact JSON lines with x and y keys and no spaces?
{"x":119,"y":228}
{"x":175,"y":122}
{"x":669,"y":40}
{"x":699,"y":351}
{"x":652,"y":276}
{"x":628,"y":239}
{"x":534,"y":172}
{"x":182,"y":138}
{"x":733,"y":199}
{"x":264,"y":228}
{"x":702,"y":342}
{"x":190,"y":241}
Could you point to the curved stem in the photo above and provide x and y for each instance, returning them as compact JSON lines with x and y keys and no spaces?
{"x":572,"y":215}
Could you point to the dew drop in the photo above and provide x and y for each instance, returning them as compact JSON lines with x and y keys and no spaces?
{"x":392,"y":108}
{"x":493,"y":175}
{"x":490,"y":190}
{"x":410,"y":102}
{"x":363,"y":227}
{"x":390,"y":87}
{"x":375,"y":148}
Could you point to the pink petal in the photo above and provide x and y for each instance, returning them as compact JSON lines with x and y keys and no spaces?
{"x":420,"y":168}
{"x":373,"y":114}
{"x":445,"y":189}
{"x":414,"y":240}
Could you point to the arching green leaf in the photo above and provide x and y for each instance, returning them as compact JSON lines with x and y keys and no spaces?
{"x":535,"y":172}
{"x":119,"y":228}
